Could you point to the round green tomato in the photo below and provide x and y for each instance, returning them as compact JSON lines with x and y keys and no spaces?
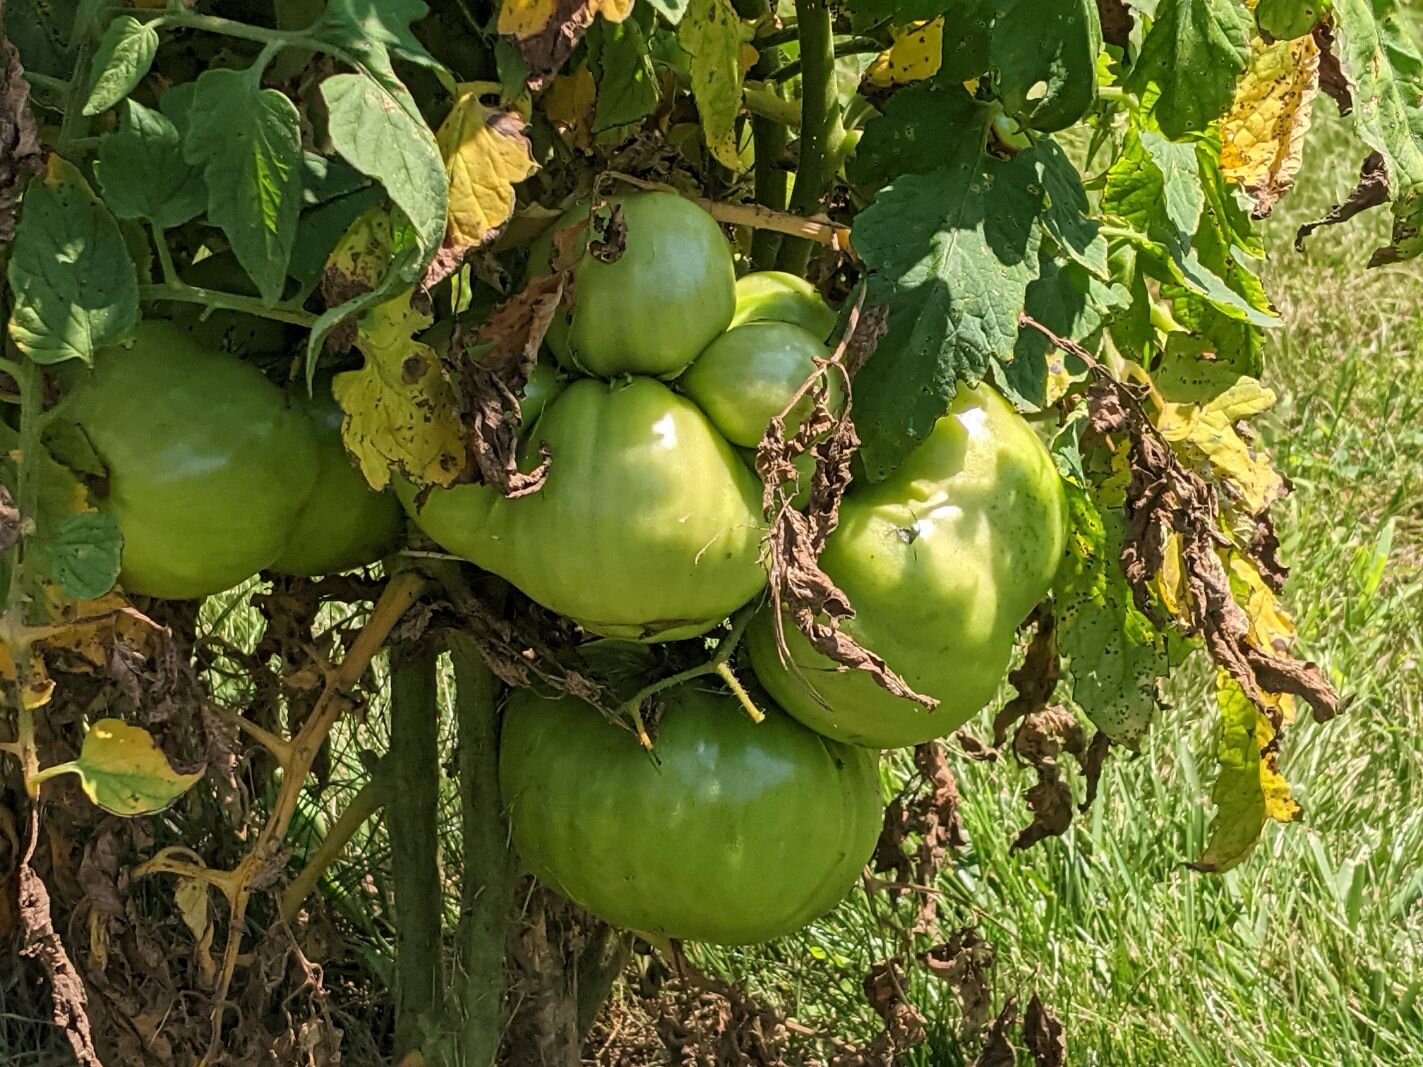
{"x":775,"y":296}
{"x":747,"y":376}
{"x":544,"y":384}
{"x":739,"y":832}
{"x":942,"y":561}
{"x":209,"y":463}
{"x":229,"y":331}
{"x":648,"y":527}
{"x":653,"y":309}
{"x":345,"y":523}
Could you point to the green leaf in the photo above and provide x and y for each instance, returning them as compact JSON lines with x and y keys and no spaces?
{"x":143,"y":173}
{"x":41,"y":30}
{"x":1067,"y":217}
{"x":83,"y":554}
{"x":923,"y":128}
{"x":123,"y":771}
{"x":711,"y":35}
{"x":1040,"y":56}
{"x":248,"y":141}
{"x":671,"y":10}
{"x":627,"y":83}
{"x":1155,"y":185}
{"x":1071,"y":303}
{"x":73,"y":283}
{"x":1113,"y":653}
{"x":1192,"y":56}
{"x":952,"y":253}
{"x":371,"y":31}
{"x":123,"y":57}
{"x":377,"y":136}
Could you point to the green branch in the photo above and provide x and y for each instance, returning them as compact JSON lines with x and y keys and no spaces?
{"x":819,"y":122}
{"x":851,"y":46}
{"x":251,"y":305}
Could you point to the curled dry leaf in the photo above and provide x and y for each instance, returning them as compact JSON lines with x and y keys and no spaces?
{"x":998,"y":1050}
{"x":1371,"y":190}
{"x":20,"y":153}
{"x":489,"y":371}
{"x":965,"y":961}
{"x":885,"y":989}
{"x":921,"y":826}
{"x":1041,"y":739}
{"x":547,"y":31}
{"x":1036,"y":677}
{"x":798,"y":587}
{"x":1044,"y":1035}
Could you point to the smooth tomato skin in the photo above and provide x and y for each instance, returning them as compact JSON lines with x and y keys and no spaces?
{"x":648,"y":527}
{"x":344,"y":523}
{"x":654,"y":308}
{"x":209,"y":463}
{"x":544,"y":384}
{"x":740,"y":832}
{"x":942,"y":561}
{"x":775,"y":296}
{"x":747,"y":376}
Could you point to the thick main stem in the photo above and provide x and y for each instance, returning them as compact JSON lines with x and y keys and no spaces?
{"x":490,"y":868}
{"x":819,"y":119}
{"x":411,"y":814}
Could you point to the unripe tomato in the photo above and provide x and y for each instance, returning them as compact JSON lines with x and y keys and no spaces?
{"x":775,"y":296}
{"x":942,"y":561}
{"x":730,"y":831}
{"x":747,"y":376}
{"x":209,"y":463}
{"x":648,"y":527}
{"x":344,"y":523}
{"x":653,"y":309}
{"x":543,"y":385}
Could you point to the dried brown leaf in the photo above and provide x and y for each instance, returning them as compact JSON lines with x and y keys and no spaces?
{"x":1041,"y":739}
{"x":965,"y":961}
{"x":998,"y":1050}
{"x":1372,"y":190}
{"x":921,"y":826}
{"x":1044,"y":1036}
{"x":20,"y":153}
{"x":885,"y":990}
{"x":1036,"y":677}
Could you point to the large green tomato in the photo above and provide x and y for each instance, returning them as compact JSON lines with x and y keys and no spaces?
{"x":775,"y":296}
{"x":345,"y":523}
{"x":942,"y":561}
{"x":738,"y":832}
{"x":653,"y":309}
{"x":648,"y":527}
{"x":209,"y":463}
{"x":747,"y":376}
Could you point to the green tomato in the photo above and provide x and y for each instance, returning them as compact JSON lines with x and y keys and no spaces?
{"x":648,"y":527}
{"x":209,"y":463}
{"x":653,"y":309}
{"x":942,"y":561}
{"x":544,"y":384}
{"x":775,"y":296}
{"x":747,"y":376}
{"x":345,"y":523}
{"x":737,"y":832}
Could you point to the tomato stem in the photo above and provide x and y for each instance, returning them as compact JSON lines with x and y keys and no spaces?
{"x":251,"y":305}
{"x":367,"y":801}
{"x":819,"y":119}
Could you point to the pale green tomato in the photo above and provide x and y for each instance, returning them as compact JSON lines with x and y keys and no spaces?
{"x":942,"y":561}
{"x":775,"y":296}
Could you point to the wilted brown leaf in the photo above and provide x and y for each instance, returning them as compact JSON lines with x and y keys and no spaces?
{"x":20,"y":153}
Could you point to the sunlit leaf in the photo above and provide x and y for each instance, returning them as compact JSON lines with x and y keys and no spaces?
{"x":1262,"y":135}
{"x":712,"y":34}
{"x":123,"y":771}
{"x":123,"y":57}
{"x":486,"y":154}
{"x":915,"y":54}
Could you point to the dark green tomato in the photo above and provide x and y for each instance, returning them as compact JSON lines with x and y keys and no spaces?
{"x":229,"y":331}
{"x":345,"y":523}
{"x":209,"y":463}
{"x":739,"y":832}
{"x":654,"y":308}
{"x":775,"y":296}
{"x":648,"y":527}
{"x":747,"y":376}
{"x":942,"y":561}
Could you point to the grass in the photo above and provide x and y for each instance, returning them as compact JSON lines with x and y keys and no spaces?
{"x":1311,"y":951}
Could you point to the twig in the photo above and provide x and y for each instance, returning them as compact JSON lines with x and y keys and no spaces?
{"x":367,"y":801}
{"x":819,"y":118}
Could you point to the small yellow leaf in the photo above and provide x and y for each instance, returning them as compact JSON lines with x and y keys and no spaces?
{"x":1262,"y":135}
{"x":123,"y":771}
{"x":1209,"y":429}
{"x":916,"y":54}
{"x":486,"y":155}
{"x":362,"y":256}
{"x":711,"y":33}
{"x":400,"y":408}
{"x":191,"y":896}
{"x":569,"y":103}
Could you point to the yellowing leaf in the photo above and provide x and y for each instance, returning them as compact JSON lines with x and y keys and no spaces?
{"x":1262,"y":135}
{"x":1209,"y":428}
{"x":87,"y":629}
{"x":400,"y":408}
{"x":191,"y":896}
{"x":486,"y":154}
{"x":915,"y":54}
{"x":711,"y":34}
{"x":1249,"y":789}
{"x":547,"y":31}
{"x":569,"y":103}
{"x":123,"y":771}
{"x":1270,"y":627}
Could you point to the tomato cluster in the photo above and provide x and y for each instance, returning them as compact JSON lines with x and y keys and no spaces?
{"x":213,"y":473}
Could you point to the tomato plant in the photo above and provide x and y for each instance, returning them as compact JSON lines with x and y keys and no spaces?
{"x":775,"y":296}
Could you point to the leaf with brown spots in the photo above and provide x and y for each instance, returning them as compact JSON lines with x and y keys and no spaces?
{"x":547,"y":31}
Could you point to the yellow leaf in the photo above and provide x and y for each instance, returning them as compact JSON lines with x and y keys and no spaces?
{"x":123,"y":771}
{"x":915,"y":54}
{"x":1249,"y":789}
{"x":1209,"y":429}
{"x":1171,"y":582}
{"x":191,"y":896}
{"x":87,"y":628}
{"x":400,"y":408}
{"x":1270,"y":627}
{"x":486,"y":155}
{"x":364,"y":252}
{"x":711,"y":34}
{"x":569,"y":103}
{"x":530,"y":18}
{"x":1262,"y":135}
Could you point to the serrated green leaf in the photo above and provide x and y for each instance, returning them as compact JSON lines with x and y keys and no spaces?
{"x":381,"y":139}
{"x":248,"y":142}
{"x":923,"y":128}
{"x":1040,"y":56}
{"x":1067,"y":217}
{"x":83,"y":554}
{"x":627,"y":83}
{"x":1191,"y":57}
{"x":142,"y":171}
{"x":123,"y":57}
{"x":952,"y":253}
{"x":123,"y":771}
{"x":371,"y":31}
{"x":73,"y":284}
{"x":711,"y":35}
{"x":1155,"y":185}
